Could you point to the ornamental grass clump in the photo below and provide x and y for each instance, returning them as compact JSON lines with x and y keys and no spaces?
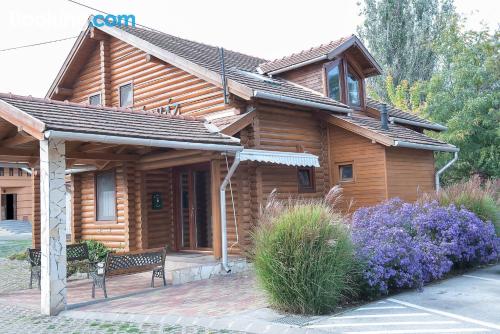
{"x":304,"y":257}
{"x":481,"y":198}
{"x":404,"y":245}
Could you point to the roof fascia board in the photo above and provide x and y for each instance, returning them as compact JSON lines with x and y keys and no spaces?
{"x":240,"y":124}
{"x":122,"y":140}
{"x":377,"y":137}
{"x":354,"y":40}
{"x":300,"y":102}
{"x":22,"y":120}
{"x":69,"y":59}
{"x":180,"y":62}
{"x":436,"y":127}
{"x":292,"y":67}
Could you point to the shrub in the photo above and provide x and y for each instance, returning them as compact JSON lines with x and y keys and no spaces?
{"x":404,"y":245}
{"x":97,"y":250}
{"x":483,"y":200}
{"x":303,"y":257}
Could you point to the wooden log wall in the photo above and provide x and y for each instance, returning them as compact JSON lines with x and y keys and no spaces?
{"x":368,"y":159}
{"x":291,"y":131}
{"x":155,"y":83}
{"x":160,"y":223}
{"x":76,"y":208}
{"x":409,"y":172}
{"x":36,"y":223}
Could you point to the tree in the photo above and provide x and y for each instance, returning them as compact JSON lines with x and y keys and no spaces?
{"x":464,"y":94}
{"x":399,"y":34}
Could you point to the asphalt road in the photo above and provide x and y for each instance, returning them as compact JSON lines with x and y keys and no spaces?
{"x":468,"y":303}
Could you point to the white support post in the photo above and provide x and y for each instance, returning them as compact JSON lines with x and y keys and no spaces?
{"x":53,"y":225}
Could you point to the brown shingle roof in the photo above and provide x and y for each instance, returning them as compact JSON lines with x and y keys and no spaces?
{"x":239,"y":67}
{"x":395,"y":132}
{"x":305,"y":55}
{"x":82,"y":118}
{"x":395,"y":112}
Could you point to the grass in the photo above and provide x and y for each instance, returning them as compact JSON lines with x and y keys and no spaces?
{"x":11,"y":247}
{"x":304,"y":257}
{"x":481,"y":198}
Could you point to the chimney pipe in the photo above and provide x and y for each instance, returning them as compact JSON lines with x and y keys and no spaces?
{"x":384,"y":117}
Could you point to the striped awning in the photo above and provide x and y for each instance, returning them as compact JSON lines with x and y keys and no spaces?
{"x":281,"y":158}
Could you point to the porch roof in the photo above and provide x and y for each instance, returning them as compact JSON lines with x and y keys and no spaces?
{"x":38,"y":116}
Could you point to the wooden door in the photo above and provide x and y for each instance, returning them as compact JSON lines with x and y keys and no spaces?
{"x":194,"y":208}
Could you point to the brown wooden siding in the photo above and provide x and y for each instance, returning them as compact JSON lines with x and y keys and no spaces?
{"x":409,"y":172}
{"x":160,"y":223}
{"x":310,"y":76}
{"x":155,"y":83}
{"x":368,"y":159}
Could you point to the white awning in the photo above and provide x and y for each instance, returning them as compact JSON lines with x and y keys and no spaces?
{"x":282,"y":158}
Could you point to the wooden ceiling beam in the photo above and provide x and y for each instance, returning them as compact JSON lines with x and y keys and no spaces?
{"x":18,"y":139}
{"x":102,"y":156}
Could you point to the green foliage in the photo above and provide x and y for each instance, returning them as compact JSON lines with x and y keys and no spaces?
{"x":400,"y":34}
{"x":304,"y":257}
{"x":483,"y":200}
{"x":465,"y":95}
{"x":20,"y":256}
{"x":97,"y":250}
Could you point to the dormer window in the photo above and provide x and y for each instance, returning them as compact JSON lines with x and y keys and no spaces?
{"x":353,"y":89}
{"x":343,"y":83}
{"x":333,"y":80}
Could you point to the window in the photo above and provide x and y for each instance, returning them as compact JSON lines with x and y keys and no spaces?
{"x":95,"y":100}
{"x":346,"y":173}
{"x":353,"y":90}
{"x":126,"y":95}
{"x":333,"y":81}
{"x":11,"y":171}
{"x":19,"y":172}
{"x":105,"y":196}
{"x":1,"y":171}
{"x":306,"y":180}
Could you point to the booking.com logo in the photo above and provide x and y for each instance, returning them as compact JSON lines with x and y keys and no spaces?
{"x":113,"y":20}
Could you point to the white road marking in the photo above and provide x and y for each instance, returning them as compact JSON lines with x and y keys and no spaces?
{"x":396,"y":315}
{"x":382,"y":302}
{"x":402,"y":323}
{"x":482,"y":278}
{"x":417,"y":331}
{"x":379,"y":308}
{"x":446,"y":314}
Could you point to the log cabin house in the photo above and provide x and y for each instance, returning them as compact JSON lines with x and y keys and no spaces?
{"x":149,"y":129}
{"x":15,"y":192}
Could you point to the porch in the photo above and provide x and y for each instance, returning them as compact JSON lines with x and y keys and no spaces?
{"x":168,"y":182}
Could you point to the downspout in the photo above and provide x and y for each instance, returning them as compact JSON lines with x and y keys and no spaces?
{"x":445,"y":167}
{"x":223,"y":220}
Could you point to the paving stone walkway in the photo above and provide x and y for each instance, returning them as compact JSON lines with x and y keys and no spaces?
{"x":15,"y":319}
{"x":14,"y":275}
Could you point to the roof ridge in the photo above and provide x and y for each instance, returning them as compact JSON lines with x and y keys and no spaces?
{"x":202,"y":43}
{"x":99,"y":107}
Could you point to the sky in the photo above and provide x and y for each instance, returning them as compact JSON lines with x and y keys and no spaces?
{"x":264,"y":28}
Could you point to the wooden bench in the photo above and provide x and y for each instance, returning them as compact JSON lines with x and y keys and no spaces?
{"x":77,"y":254}
{"x":131,"y":263}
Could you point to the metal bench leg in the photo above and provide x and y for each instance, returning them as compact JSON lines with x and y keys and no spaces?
{"x":39,"y":277}
{"x":163,"y":276}
{"x":93,"y":290}
{"x":104,"y":288}
{"x":153,"y":279}
{"x":31,"y":279}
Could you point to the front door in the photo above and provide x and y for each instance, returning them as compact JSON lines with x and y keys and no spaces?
{"x":194,"y":208}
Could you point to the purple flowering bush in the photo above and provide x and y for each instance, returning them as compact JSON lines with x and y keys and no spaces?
{"x":404,"y":245}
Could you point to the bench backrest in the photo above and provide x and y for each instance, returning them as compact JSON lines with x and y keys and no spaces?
{"x":34,"y":257}
{"x":74,"y":252}
{"x":133,"y":262}
{"x":77,"y":252}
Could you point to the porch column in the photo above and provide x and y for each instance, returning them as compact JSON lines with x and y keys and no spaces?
{"x":53,"y":226}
